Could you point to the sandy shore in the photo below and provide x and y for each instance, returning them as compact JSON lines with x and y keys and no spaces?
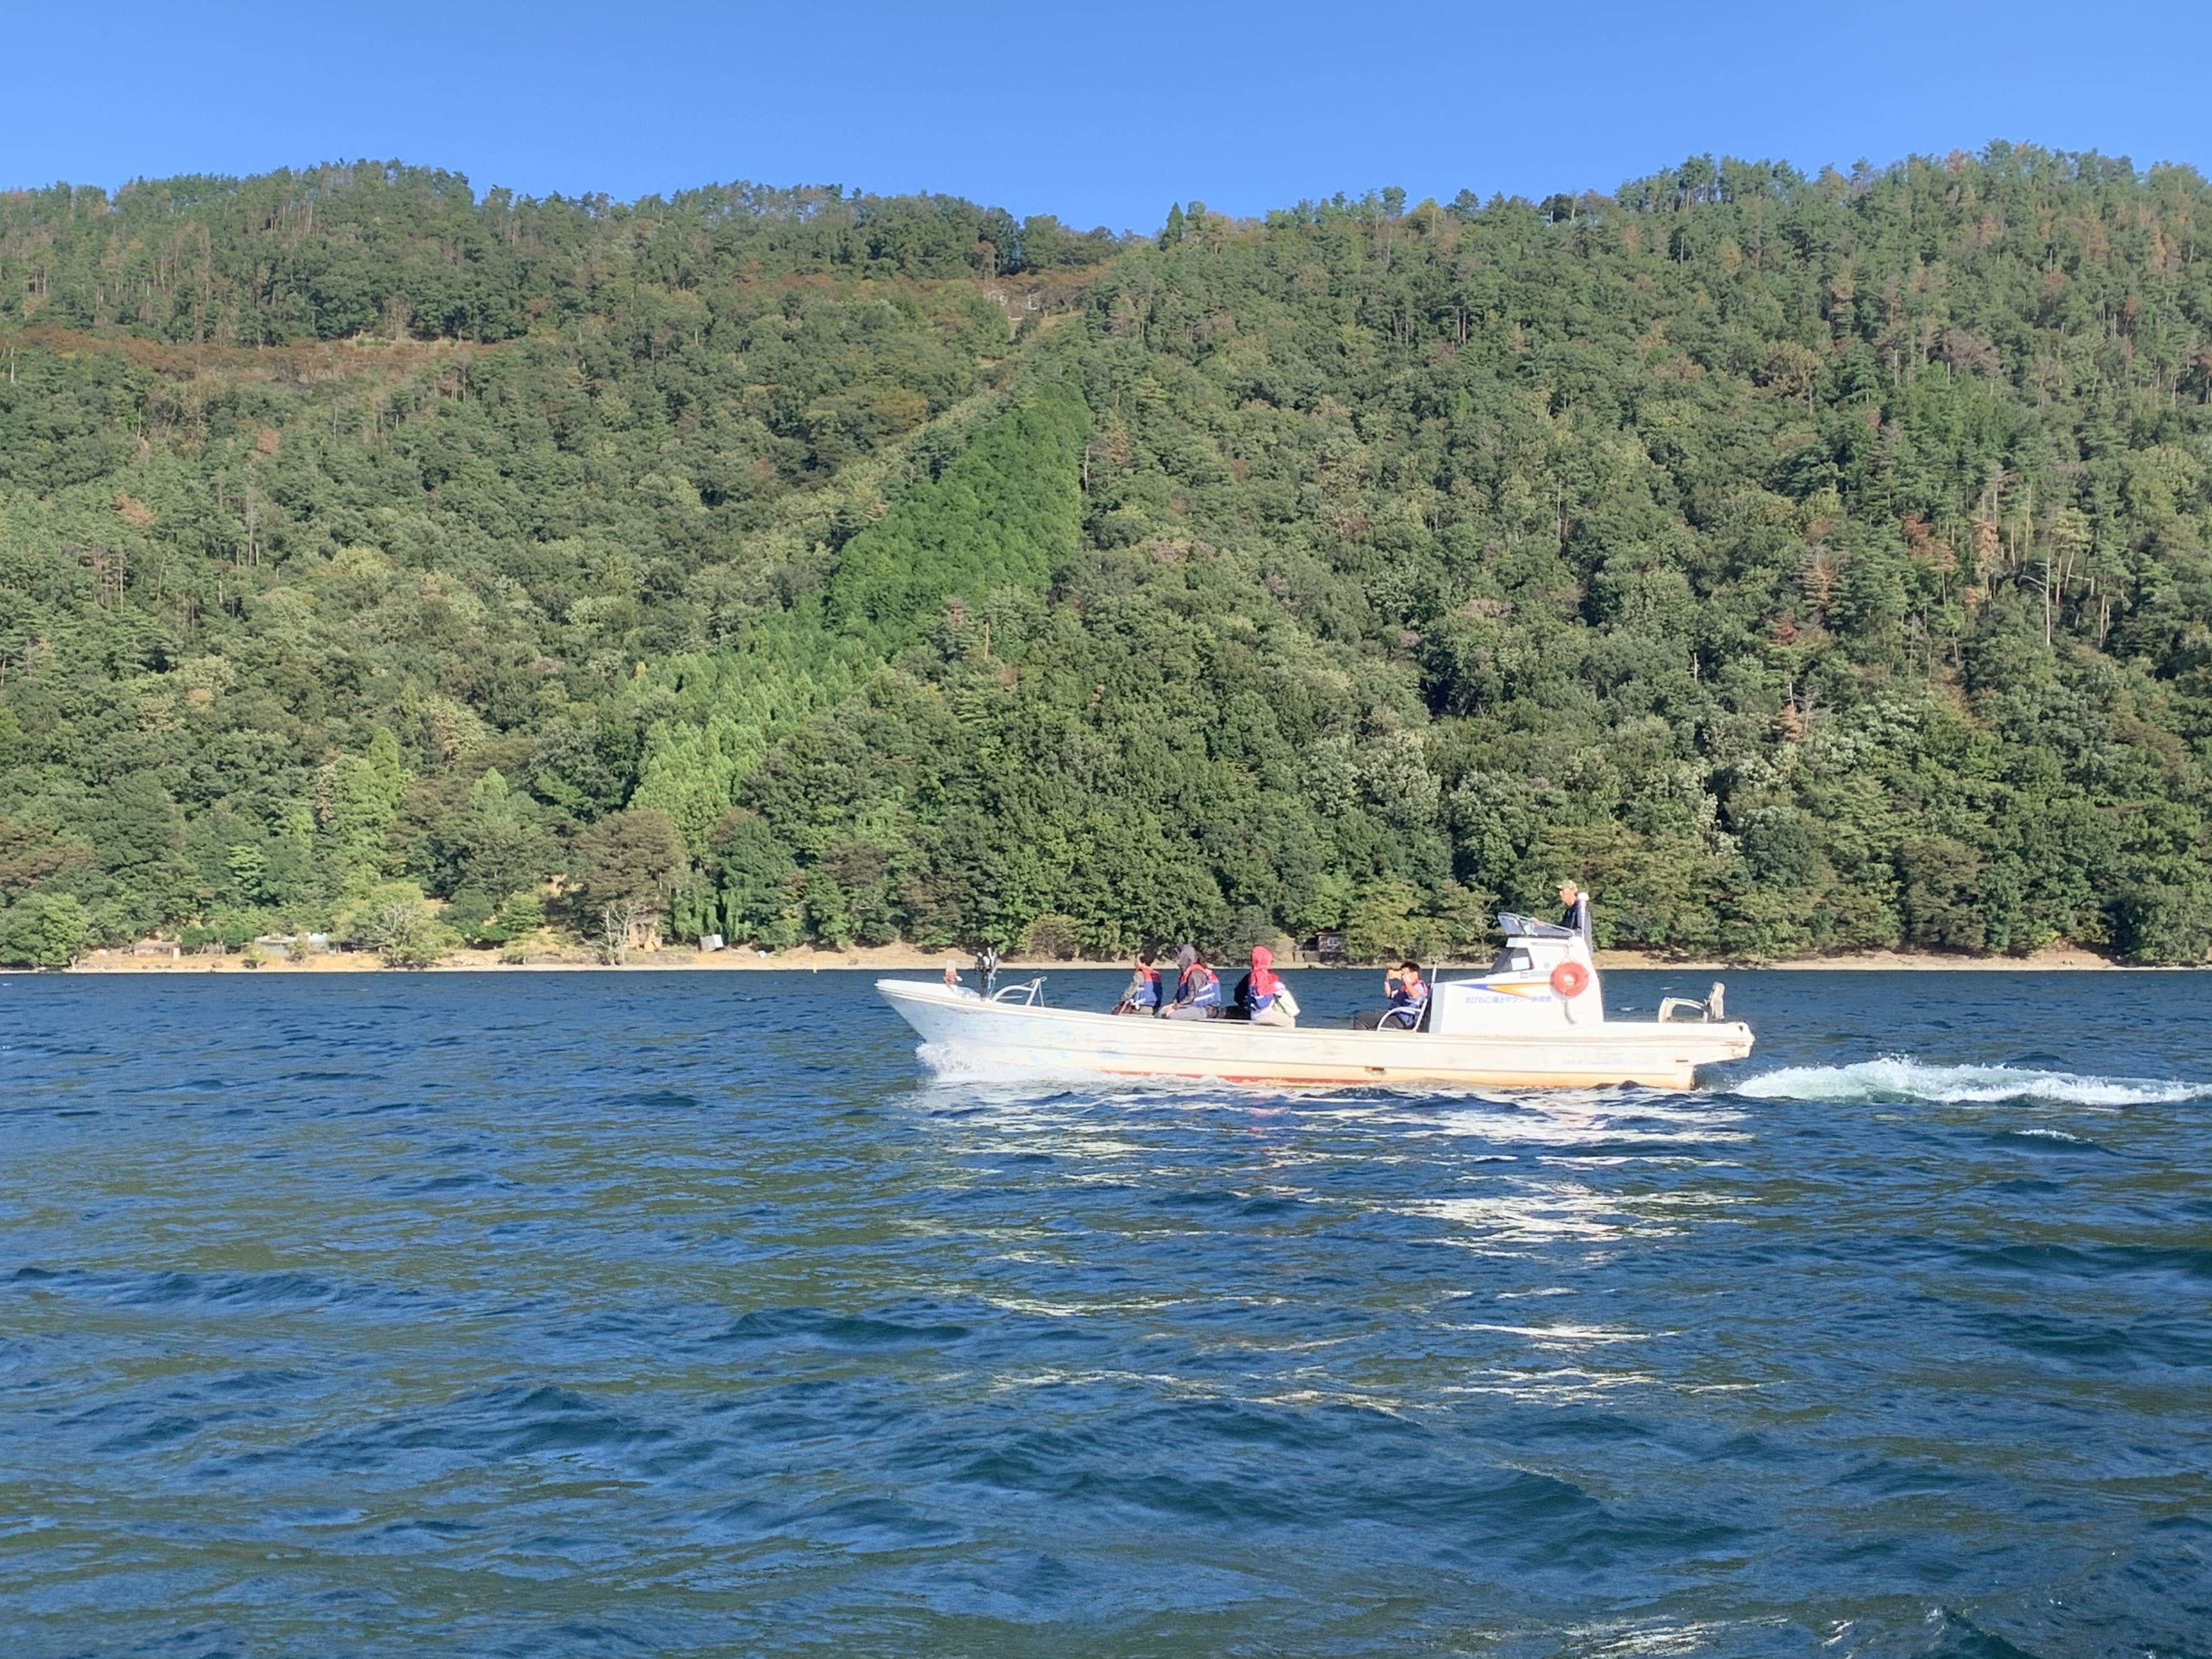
{"x":893,"y":956}
{"x":905,"y":958}
{"x":2055,"y":958}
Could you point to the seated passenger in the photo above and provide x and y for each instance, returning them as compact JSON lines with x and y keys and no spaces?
{"x":1265,"y":1000}
{"x":1143,"y":994}
{"x":1408,"y":994}
{"x":1198,"y":988}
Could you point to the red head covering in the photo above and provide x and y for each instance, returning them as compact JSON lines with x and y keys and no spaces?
{"x":1263,"y":980}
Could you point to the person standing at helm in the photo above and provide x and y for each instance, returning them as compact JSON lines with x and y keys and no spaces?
{"x":1198,"y":988}
{"x":1574,"y":911}
{"x":1266,"y":999}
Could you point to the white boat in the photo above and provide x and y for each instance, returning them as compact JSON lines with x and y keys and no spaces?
{"x":1536,"y":1019}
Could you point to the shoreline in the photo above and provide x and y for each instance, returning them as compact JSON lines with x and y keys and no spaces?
{"x":910,"y":959}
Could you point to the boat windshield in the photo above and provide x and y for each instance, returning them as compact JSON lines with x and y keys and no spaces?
{"x":1514,"y":927}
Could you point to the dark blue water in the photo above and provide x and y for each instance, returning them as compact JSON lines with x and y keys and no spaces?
{"x":678,"y":1314}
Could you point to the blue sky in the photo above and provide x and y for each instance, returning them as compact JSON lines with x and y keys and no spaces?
{"x":1101,"y":113}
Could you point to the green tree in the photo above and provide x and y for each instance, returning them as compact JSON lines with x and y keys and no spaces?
{"x":397,"y":921}
{"x":758,"y":895}
{"x":363,"y":794}
{"x":43,"y":930}
{"x":1005,"y":514}
{"x":635,"y":855}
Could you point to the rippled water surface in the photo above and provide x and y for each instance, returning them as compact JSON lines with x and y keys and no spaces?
{"x":592,"y":1314}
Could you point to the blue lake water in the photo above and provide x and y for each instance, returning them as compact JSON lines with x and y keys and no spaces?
{"x":679,"y":1314}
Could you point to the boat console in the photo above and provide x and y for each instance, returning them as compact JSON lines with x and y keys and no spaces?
{"x":1542,"y":979}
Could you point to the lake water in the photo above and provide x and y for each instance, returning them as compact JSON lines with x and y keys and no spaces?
{"x":679,"y":1314}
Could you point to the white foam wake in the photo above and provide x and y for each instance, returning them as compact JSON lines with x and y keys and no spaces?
{"x":1896,"y":1078}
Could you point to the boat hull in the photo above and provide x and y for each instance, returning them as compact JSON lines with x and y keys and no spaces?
{"x":962,"y":1032}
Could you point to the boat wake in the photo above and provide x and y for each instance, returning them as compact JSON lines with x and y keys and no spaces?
{"x":1899,"y":1078}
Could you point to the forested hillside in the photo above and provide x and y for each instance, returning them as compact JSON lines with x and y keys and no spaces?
{"x":1806,"y":563}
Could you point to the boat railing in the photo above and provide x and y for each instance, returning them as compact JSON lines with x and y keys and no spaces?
{"x":1028,"y":994}
{"x":1712,"y":1011}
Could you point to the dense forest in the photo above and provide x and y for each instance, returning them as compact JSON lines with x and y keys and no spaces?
{"x":1806,"y":563}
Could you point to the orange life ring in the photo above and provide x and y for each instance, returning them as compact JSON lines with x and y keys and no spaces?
{"x":1570,"y":979}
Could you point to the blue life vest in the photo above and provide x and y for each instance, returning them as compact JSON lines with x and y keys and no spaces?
{"x":1405,"y":1005}
{"x":1144,"y":991}
{"x":1205,"y":993}
{"x":1255,"y":1001}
